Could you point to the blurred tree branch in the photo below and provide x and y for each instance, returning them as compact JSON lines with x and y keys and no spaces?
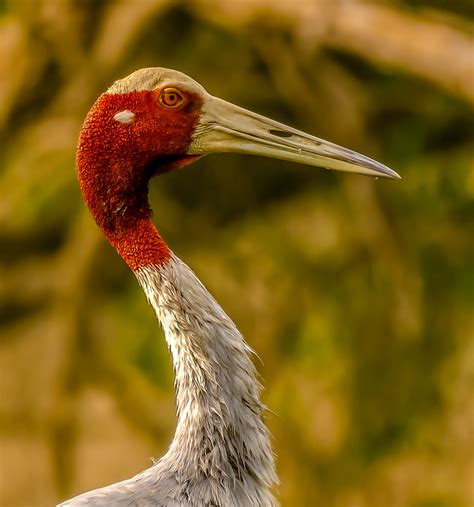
{"x":432,"y":47}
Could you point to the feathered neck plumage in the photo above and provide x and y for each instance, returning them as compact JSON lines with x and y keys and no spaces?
{"x":220,"y":435}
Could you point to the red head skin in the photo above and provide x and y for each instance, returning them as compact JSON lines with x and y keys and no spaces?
{"x":116,"y":161}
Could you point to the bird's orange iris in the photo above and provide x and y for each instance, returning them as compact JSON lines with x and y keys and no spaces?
{"x":171,"y":98}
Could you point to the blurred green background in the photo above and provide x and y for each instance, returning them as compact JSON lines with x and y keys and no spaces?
{"x":357,"y":294}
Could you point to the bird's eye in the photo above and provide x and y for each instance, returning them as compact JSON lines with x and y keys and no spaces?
{"x":171,"y":98}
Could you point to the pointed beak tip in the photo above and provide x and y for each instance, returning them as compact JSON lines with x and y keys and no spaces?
{"x":385,"y":172}
{"x":393,"y":175}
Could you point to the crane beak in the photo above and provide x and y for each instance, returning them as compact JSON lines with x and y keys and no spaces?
{"x":224,"y":127}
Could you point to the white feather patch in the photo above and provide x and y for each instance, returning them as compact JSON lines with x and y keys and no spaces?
{"x":125,"y":117}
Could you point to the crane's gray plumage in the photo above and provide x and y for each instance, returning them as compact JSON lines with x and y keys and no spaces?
{"x":220,"y":454}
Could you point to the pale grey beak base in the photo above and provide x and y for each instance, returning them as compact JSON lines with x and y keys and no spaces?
{"x":224,"y":127}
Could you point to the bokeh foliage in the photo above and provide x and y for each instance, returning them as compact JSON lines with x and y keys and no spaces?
{"x":357,"y":294}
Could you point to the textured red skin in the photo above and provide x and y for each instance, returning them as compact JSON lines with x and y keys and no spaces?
{"x":116,"y":161}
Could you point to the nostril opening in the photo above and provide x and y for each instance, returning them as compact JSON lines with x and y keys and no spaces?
{"x":280,"y":133}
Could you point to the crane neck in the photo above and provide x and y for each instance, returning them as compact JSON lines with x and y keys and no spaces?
{"x":221,"y":446}
{"x":220,"y":432}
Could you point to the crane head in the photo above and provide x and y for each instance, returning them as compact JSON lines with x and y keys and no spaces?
{"x":172,"y":120}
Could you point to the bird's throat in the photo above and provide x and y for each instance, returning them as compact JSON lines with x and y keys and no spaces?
{"x":120,"y":207}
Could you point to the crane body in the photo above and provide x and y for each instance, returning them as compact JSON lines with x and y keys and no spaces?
{"x":153,"y":121}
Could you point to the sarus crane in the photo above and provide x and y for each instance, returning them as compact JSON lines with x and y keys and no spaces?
{"x":150,"y":122}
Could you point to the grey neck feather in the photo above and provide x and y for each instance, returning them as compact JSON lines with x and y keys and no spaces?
{"x":220,"y":455}
{"x":221,"y":446}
